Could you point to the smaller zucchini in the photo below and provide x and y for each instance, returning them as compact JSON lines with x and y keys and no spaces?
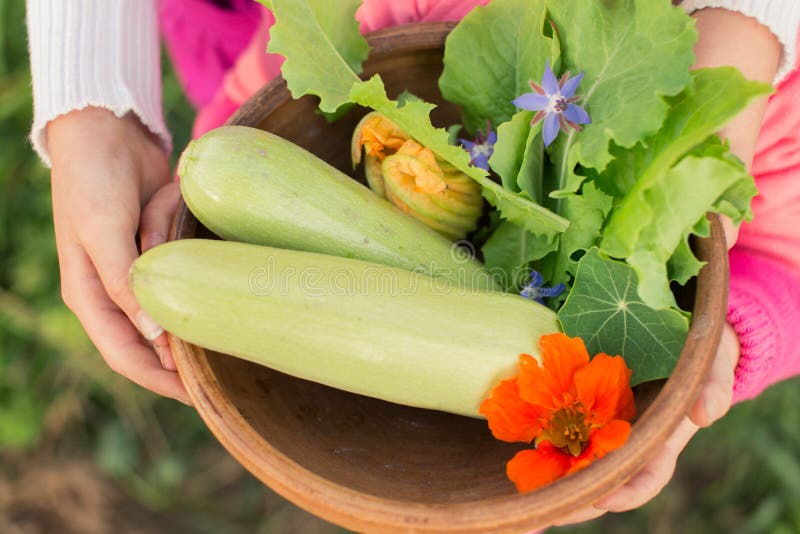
{"x":249,"y":185}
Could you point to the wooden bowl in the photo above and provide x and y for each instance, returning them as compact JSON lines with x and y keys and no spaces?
{"x":374,"y":466}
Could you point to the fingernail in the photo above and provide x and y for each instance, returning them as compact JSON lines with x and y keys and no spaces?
{"x":712,"y":407}
{"x":147,"y":326}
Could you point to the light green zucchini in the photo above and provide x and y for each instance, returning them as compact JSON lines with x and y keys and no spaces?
{"x":248,"y":185}
{"x":358,"y":326}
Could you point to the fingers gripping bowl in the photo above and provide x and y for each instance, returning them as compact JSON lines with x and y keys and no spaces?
{"x":374,"y":466}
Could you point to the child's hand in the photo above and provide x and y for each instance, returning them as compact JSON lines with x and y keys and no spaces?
{"x":108,"y":183}
{"x":714,"y":402}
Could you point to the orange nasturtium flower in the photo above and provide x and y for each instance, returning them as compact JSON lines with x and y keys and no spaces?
{"x":573,"y":409}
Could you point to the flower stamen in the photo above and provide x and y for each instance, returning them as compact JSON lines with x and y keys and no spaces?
{"x":568,"y":430}
{"x":554,"y":102}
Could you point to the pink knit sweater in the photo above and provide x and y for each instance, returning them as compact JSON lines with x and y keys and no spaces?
{"x":764,"y":298}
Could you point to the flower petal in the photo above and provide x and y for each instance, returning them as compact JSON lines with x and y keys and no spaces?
{"x":549,"y":80}
{"x":467,"y":144}
{"x":531,"y":469}
{"x":577,"y":114}
{"x":609,"y":438}
{"x":571,"y":85}
{"x":603,"y":388}
{"x":510,"y":418}
{"x":550,"y":385}
{"x":379,"y":136}
{"x":531,"y":102}
{"x":492,"y":138}
{"x":552,"y":291}
{"x":550,"y":128}
{"x":536,"y":386}
{"x":601,"y":442}
{"x":481,"y":161}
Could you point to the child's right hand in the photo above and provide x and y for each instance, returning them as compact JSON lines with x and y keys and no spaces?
{"x":110,"y":181}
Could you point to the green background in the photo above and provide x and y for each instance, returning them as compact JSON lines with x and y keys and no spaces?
{"x":84,"y":450}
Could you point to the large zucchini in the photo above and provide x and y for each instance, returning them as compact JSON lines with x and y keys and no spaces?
{"x":358,"y":326}
{"x":248,"y":185}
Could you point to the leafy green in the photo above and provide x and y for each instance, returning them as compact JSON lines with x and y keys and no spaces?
{"x":586,"y":213}
{"x":663,"y":198}
{"x":519,"y":155}
{"x":677,"y":203}
{"x":414,"y":119}
{"x":715,"y":97}
{"x":509,"y":150}
{"x":632,"y":53}
{"x":531,"y":171}
{"x":605,"y":310}
{"x":683,"y":264}
{"x":509,"y":251}
{"x":322,"y":45}
{"x":492,"y":54}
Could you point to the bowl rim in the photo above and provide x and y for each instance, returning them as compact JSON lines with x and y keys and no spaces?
{"x":366,"y":512}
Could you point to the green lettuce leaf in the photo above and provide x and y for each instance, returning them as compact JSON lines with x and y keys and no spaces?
{"x":492,"y":54}
{"x":683,"y":265}
{"x":509,"y":150}
{"x":733,"y":203}
{"x":531,"y":172}
{"x":632,"y":53}
{"x":518,"y":156}
{"x":414,"y":119}
{"x":322,"y":45}
{"x":716,"y":96}
{"x":605,"y":310}
{"x":677,"y":204}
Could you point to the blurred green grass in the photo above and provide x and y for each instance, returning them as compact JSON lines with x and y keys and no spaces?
{"x":71,"y":431}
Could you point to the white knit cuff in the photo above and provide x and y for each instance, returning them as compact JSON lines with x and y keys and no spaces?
{"x":782,"y":17}
{"x":102,"y":53}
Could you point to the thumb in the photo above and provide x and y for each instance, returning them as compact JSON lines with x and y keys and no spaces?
{"x":717,"y":395}
{"x":730,"y":230}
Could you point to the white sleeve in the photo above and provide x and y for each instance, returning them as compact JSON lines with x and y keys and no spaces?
{"x":782,"y":17}
{"x":101,"y":53}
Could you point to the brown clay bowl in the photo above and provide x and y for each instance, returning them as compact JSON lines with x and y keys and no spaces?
{"x":374,"y":466}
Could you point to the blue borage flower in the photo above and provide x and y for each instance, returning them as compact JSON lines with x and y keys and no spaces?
{"x":553,"y":102}
{"x":535,"y":290}
{"x":481,"y":149}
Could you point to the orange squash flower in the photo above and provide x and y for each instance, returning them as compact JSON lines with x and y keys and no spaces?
{"x":573,"y":409}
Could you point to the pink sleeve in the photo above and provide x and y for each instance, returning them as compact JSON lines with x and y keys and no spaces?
{"x":376,"y":14}
{"x":764,"y":309}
